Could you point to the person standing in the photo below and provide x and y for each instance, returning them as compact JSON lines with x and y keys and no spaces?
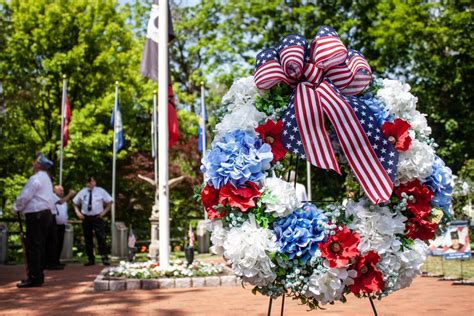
{"x":36,"y":202}
{"x":61,"y":220}
{"x":95,"y":203}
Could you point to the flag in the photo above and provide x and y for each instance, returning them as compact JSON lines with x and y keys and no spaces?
{"x":202,"y":124}
{"x":149,"y":67}
{"x":67,"y":120}
{"x":118,"y":128}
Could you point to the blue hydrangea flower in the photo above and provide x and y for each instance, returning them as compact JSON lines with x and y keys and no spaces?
{"x":299,"y":233}
{"x":441,"y":183}
{"x":236,"y":157}
{"x":377,"y":108}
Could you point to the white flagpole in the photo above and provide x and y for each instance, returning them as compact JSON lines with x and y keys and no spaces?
{"x":61,"y":155}
{"x":155,"y":137}
{"x":163,"y":137}
{"x":203,"y":128}
{"x":114,"y":164}
{"x":308,"y":180}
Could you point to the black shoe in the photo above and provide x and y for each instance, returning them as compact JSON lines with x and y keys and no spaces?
{"x":89,"y":263}
{"x":54,"y":267}
{"x":106,"y":262}
{"x":28,"y":283}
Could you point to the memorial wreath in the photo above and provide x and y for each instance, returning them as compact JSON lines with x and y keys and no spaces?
{"x":318,"y":102}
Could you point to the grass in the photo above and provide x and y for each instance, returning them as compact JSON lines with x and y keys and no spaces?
{"x":449,"y":268}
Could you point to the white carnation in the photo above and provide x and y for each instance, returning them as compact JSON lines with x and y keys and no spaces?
{"x":241,"y":93}
{"x":246,"y":247}
{"x":328,"y":285}
{"x":376,"y":225}
{"x":397,"y":97}
{"x":245,"y":117}
{"x":218,"y":236}
{"x":415,"y":163}
{"x":283,"y":197}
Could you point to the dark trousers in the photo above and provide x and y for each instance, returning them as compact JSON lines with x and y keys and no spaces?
{"x":61,"y":229}
{"x":37,"y":225}
{"x":52,"y":244}
{"x":94,"y":225}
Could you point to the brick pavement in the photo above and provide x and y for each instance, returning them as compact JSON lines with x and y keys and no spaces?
{"x":69,"y":292}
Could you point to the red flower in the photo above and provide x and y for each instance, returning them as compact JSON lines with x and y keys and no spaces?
{"x":241,"y":197}
{"x":421,"y":229}
{"x":270,"y":132}
{"x":397,"y":134}
{"x":369,"y":278}
{"x":340,"y":248}
{"x":420,"y":202}
{"x":210,"y":198}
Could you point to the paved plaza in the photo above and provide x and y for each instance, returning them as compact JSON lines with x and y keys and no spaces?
{"x":70,"y":291}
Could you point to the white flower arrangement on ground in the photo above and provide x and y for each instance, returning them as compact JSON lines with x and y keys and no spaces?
{"x":152,"y":270}
{"x":320,"y":254}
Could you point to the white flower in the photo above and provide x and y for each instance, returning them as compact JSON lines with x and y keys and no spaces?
{"x":245,"y":117}
{"x":242,"y":92}
{"x":246,"y":247}
{"x":376,"y":225}
{"x":401,"y":103}
{"x":283,"y":198}
{"x":328,"y":285}
{"x":411,"y":262}
{"x":218,"y":236}
{"x":397,"y":97}
{"x":415,"y":163}
{"x":418,"y":122}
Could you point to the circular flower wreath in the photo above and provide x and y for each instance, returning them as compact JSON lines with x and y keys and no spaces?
{"x":318,"y":254}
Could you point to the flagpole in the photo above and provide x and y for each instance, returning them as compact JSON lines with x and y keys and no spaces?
{"x":308,"y":180}
{"x":163,"y":135}
{"x":155,"y":138}
{"x":203,"y":128}
{"x":114,"y":164}
{"x":61,"y":155}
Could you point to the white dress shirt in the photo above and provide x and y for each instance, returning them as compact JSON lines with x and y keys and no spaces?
{"x":61,"y":211}
{"x":37,"y":195}
{"x":99,"y":197}
{"x":301,"y":193}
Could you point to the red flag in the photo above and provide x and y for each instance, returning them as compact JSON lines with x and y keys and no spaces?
{"x":67,"y":120}
{"x":173,"y":127}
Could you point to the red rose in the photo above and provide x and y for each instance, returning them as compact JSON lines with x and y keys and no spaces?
{"x":340,"y":248}
{"x":397,"y":134}
{"x":420,"y":229}
{"x":270,"y":132}
{"x":241,"y":197}
{"x":369,"y":278}
{"x":420,"y":202}
{"x":210,"y":198}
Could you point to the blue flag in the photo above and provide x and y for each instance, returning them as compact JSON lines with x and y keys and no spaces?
{"x":202,"y":118}
{"x":119,"y":139}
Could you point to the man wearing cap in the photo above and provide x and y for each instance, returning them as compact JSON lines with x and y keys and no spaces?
{"x":36,"y":202}
{"x":95,"y":204}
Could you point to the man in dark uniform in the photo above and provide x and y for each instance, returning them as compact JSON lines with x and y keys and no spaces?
{"x":36,"y":202}
{"x":95,"y":204}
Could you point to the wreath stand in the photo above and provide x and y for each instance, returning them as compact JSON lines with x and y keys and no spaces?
{"x":270,"y":303}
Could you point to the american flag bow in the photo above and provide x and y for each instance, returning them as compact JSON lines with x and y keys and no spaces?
{"x":326,"y":76}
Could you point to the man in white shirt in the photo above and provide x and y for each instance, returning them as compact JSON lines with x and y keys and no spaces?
{"x":300,"y":188}
{"x":59,"y":228}
{"x":95,"y":203}
{"x":36,"y":202}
